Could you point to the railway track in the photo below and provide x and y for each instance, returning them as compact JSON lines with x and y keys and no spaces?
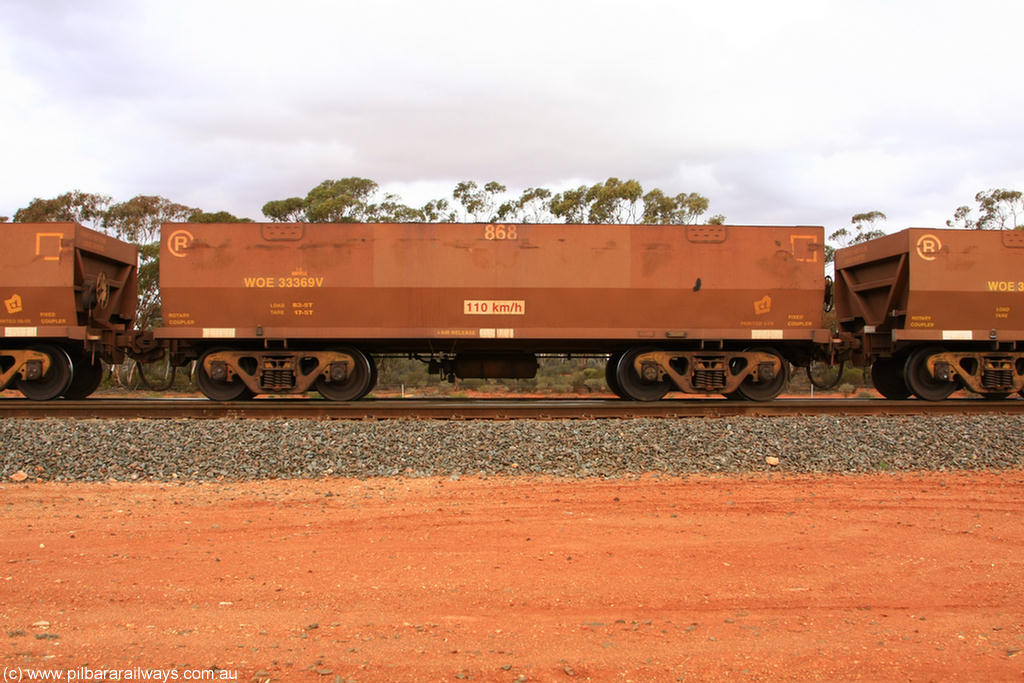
{"x":487,"y":409}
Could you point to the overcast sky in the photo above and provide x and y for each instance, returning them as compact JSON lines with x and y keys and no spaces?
{"x":778,"y":112}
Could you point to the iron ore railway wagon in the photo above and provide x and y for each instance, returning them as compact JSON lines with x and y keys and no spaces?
{"x":288,"y":308}
{"x":69,"y":299}
{"x":933,"y":311}
{"x":281,"y":308}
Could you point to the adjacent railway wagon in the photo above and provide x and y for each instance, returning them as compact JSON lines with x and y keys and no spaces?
{"x":935,"y":310}
{"x":69,"y":297}
{"x":285,"y":308}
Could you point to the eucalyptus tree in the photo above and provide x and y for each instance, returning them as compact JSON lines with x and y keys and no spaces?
{"x":999,"y":209}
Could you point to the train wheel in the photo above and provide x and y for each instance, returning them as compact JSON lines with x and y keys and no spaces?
{"x":220,"y":390}
{"x":609,"y":375}
{"x":887,"y":376}
{"x":373,"y":376}
{"x":55,"y":382}
{"x":355,"y":385}
{"x":922,"y":384}
{"x":765,"y":390}
{"x":633,"y":385}
{"x":86,"y":377}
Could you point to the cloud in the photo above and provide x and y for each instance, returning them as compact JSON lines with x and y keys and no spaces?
{"x":779,"y":112}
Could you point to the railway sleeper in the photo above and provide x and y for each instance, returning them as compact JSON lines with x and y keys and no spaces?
{"x":701,"y":372}
{"x":980,"y":371}
{"x":276,"y":372}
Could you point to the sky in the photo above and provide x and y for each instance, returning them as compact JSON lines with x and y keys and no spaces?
{"x":780,"y":112}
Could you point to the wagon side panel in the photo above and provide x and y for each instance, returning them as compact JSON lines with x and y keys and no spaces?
{"x":480,"y":281}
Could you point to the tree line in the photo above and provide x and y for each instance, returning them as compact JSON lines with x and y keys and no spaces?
{"x":361,"y":200}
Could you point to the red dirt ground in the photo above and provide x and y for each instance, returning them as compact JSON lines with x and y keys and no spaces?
{"x":878,"y":578}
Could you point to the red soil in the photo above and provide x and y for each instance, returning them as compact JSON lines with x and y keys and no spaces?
{"x":881,"y":578}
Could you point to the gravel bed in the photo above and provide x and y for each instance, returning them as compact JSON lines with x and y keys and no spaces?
{"x":204,"y":450}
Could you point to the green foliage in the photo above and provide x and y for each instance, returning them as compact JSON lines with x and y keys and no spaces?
{"x":139,"y":219}
{"x":570,"y":206}
{"x":476,"y":202}
{"x":578,"y":376}
{"x":340,"y":201}
{"x":864,"y":229}
{"x":554,"y":375}
{"x":349,"y":200}
{"x":854,"y":379}
{"x":612,"y":201}
{"x":683,"y":209}
{"x":291,"y":210}
{"x":999,"y":209}
{"x":438,"y":211}
{"x":390,"y":210}
{"x":148,"y":314}
{"x":855,"y":376}
{"x":75,"y":206}
{"x":532,"y":206}
{"x":962,"y":219}
{"x":200,"y":216}
{"x":395,"y":373}
{"x":618,"y":201}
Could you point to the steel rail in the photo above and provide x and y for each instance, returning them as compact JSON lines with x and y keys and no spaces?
{"x":487,"y":409}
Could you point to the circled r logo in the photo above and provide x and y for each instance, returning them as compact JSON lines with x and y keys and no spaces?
{"x":178,"y":242}
{"x":928,"y":247}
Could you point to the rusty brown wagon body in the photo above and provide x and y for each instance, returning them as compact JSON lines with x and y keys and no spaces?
{"x":934,"y":310}
{"x":68,"y":301}
{"x":289,"y":307}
